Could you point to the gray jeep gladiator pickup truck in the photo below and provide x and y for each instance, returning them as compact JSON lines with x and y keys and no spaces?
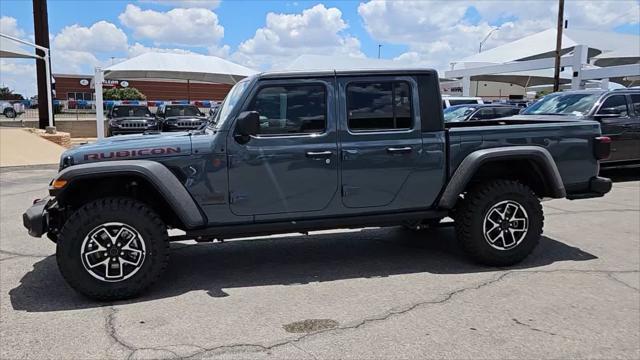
{"x":297,"y":152}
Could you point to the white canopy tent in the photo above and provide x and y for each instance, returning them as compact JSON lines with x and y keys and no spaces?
{"x":154,"y":65}
{"x":531,"y":58}
{"x":10,"y":48}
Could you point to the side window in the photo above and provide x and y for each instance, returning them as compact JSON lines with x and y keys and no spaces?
{"x":635,"y":103}
{"x":291,"y":109}
{"x":384,"y":105}
{"x":505,"y":111}
{"x":615,"y":103}
{"x":485,"y":114}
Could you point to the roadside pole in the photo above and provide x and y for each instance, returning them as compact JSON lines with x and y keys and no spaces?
{"x":556,"y":71}
{"x":97,"y":81}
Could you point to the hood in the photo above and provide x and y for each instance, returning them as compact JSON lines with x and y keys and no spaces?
{"x":186,"y":117}
{"x":129,"y":147}
{"x":544,"y":117}
{"x":147,"y":118}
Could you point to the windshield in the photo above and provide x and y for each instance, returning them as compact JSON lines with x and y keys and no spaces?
{"x":229,"y":102}
{"x":130,"y":111}
{"x":563,"y":104}
{"x":457,"y":113}
{"x":189,"y":110}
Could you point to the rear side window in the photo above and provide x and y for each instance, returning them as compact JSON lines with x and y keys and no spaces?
{"x":381,"y":105}
{"x":616,"y":102}
{"x":291,"y":109}
{"x":462,"y":102}
{"x":635,"y":103}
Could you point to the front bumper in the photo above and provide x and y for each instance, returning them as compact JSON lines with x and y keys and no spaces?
{"x":36,"y":218}
{"x":598,"y":186}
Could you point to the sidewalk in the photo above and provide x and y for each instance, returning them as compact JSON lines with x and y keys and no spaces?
{"x":19,"y":147}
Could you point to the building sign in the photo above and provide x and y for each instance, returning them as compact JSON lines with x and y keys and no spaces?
{"x":84,"y":82}
{"x":114,"y":83}
{"x":110,"y":83}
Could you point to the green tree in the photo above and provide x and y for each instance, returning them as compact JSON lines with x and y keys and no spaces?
{"x":123,"y":94}
{"x":7,"y":94}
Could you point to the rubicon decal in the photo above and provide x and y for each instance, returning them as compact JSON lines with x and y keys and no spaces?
{"x":132,"y":153}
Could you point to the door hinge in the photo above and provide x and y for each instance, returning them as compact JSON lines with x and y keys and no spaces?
{"x":349,"y":190}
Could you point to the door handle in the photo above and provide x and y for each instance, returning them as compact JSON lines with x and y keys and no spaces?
{"x":399,"y":150}
{"x":319,"y":154}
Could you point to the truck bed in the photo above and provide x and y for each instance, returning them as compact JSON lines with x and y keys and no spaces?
{"x":566,"y":141}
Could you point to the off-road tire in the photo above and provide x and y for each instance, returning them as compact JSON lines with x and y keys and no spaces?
{"x":10,"y":113}
{"x":133,"y":213}
{"x":470,"y":217}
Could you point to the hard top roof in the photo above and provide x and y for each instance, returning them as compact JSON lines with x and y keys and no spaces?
{"x":355,"y":72}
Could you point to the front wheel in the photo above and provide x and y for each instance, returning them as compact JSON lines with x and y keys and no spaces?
{"x":10,"y":113}
{"x":112,"y":248}
{"x":499,"y":222}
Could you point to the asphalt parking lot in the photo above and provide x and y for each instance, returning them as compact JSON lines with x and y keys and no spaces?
{"x":370,"y":293}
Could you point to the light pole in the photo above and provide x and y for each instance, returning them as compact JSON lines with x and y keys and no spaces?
{"x":480,"y":49}
{"x":487,"y":38}
{"x":379,"y":47}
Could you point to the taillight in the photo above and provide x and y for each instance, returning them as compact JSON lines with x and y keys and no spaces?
{"x":602,"y":147}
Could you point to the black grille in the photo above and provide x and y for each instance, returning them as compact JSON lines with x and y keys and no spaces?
{"x":134,"y":124}
{"x":189,"y":124}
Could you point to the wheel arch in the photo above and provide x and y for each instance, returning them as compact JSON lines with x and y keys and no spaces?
{"x":532,"y":165}
{"x":158,"y":187}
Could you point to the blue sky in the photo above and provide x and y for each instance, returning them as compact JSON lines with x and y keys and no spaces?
{"x":239,"y":18}
{"x":86,"y":34}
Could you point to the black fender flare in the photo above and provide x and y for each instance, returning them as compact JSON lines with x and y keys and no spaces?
{"x":158,"y":175}
{"x":476,"y":159}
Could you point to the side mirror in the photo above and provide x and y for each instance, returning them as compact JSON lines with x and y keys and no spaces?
{"x":247,"y":124}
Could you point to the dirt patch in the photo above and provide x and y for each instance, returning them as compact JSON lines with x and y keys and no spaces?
{"x":310,"y":325}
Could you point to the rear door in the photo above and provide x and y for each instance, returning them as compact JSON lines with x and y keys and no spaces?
{"x":634,"y":126}
{"x":384,"y":163}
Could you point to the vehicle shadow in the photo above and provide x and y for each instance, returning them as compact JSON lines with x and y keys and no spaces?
{"x":287,"y":260}
{"x":621,"y":175}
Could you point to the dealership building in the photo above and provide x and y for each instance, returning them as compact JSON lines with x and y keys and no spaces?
{"x":81,"y":88}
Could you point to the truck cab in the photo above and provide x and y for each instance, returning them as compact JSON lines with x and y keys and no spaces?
{"x":304,"y":151}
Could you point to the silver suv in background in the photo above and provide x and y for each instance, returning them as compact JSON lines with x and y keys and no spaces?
{"x":11,"y":110}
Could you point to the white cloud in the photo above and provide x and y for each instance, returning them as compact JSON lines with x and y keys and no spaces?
{"x":317,"y":30}
{"x":19,"y":75}
{"x":139,"y":49}
{"x":9,"y":26}
{"x":102,"y":36}
{"x":437,"y":32}
{"x":180,"y":26}
{"x":207,"y":4}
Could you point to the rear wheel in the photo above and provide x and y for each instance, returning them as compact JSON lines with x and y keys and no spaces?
{"x":112,"y":248}
{"x":499,"y":222}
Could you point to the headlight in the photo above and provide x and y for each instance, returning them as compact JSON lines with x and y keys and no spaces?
{"x":113,"y":123}
{"x":66,"y":162}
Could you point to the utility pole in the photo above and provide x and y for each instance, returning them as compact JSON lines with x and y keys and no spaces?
{"x":379,"y":47}
{"x":41,"y":34}
{"x":556,"y":72}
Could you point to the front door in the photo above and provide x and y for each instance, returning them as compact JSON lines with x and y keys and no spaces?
{"x":290,"y":166}
{"x":622,"y":129}
{"x":384,"y":165}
